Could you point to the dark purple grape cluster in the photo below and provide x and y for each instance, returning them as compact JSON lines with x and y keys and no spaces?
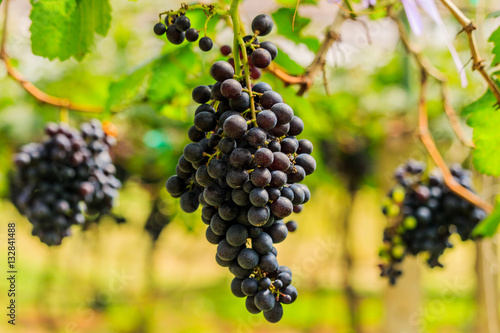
{"x":178,"y":28}
{"x":245,"y":172}
{"x":424,"y":214}
{"x":63,"y":178}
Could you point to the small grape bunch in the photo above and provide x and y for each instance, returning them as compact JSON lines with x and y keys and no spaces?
{"x":59,"y":181}
{"x":244,"y":167}
{"x":178,"y":28}
{"x":425,"y":213}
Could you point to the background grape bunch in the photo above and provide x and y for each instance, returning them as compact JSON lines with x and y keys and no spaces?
{"x":425,"y":213}
{"x":63,"y":178}
{"x":245,"y":170}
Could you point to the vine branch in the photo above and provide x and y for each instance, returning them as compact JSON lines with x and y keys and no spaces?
{"x":429,"y":144}
{"x":477,"y":61}
{"x":29,"y":86}
{"x":435,"y":73}
{"x":306,"y":80}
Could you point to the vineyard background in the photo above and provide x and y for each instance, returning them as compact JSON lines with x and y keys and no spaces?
{"x":111,"y":278}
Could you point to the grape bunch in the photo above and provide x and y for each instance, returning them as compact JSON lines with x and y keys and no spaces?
{"x":425,"y":213}
{"x":245,"y":172}
{"x":63,"y":178}
{"x":178,"y":28}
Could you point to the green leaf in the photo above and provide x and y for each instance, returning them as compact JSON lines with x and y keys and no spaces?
{"x":489,"y":225}
{"x":284,"y":18}
{"x":494,"y":14}
{"x":128,"y":89}
{"x":485,"y":121}
{"x":66,"y":28}
{"x":495,"y":39}
{"x":283,"y":59}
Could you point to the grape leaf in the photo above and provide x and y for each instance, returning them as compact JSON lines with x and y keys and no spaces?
{"x":494,"y":14}
{"x":485,"y":121}
{"x":495,"y":39}
{"x":128,"y":89}
{"x":66,"y":28}
{"x":489,"y":225}
{"x":284,"y":18}
{"x":288,"y":64}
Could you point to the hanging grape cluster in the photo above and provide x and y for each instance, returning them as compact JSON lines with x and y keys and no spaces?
{"x":63,"y":178}
{"x":245,"y":172}
{"x":425,"y":212}
{"x":178,"y":28}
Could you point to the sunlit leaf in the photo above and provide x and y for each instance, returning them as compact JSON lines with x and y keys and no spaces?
{"x":495,"y":39}
{"x":489,"y":225}
{"x":66,"y":28}
{"x":485,"y":120}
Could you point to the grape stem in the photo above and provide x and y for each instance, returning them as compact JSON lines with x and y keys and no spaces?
{"x":477,"y":61}
{"x":239,"y":44}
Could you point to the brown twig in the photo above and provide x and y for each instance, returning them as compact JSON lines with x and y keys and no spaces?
{"x":306,"y":80}
{"x":477,"y":61}
{"x":30,"y":87}
{"x":432,"y":71}
{"x":429,"y":144}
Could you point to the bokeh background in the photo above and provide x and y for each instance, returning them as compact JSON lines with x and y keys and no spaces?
{"x":115,"y":278}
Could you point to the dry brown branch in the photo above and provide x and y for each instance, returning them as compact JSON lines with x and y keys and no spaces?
{"x":477,"y":61}
{"x":30,"y":87}
{"x":432,"y":71}
{"x":429,"y":144}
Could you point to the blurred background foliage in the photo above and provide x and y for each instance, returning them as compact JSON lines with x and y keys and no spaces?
{"x":114,"y":278}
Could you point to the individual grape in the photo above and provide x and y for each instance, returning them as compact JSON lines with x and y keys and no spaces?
{"x":195,"y":135}
{"x":236,"y":177}
{"x":256,"y":137}
{"x":205,"y":44}
{"x":264,"y":300}
{"x":255,"y":73}
{"x":192,"y":35}
{"x":159,"y":29}
{"x":240,"y":197}
{"x":222,"y":263}
{"x":205,"y":121}
{"x":258,"y":216}
{"x":269,"y":98}
{"x":305,"y":147}
{"x":268,"y":262}
{"x":248,"y":259}
{"x":278,"y":232}
{"x":262,"y":25}
{"x":286,"y":278}
{"x":231,"y":88}
{"x":175,"y":185}
{"x":225,"y":251}
{"x":263,"y":243}
{"x":282,"y":207}
{"x":204,"y":107}
{"x":262,"y":87}
{"x":214,"y":195}
{"x":212,"y":238}
{"x":241,"y":103}
{"x":225,"y":50}
{"x":260,"y":177}
{"x":283,"y":112}
{"x":259,"y":197}
{"x":266,"y":119}
{"x":273,"y":192}
{"x":275,"y":314}
{"x":221,"y":71}
{"x":202,"y":94}
{"x":240,"y":158}
{"x":239,"y":271}
{"x":274,"y":146}
{"x":216,"y":168}
{"x":307,"y":162}
{"x":296,"y":126}
{"x":193,"y":152}
{"x":182,"y":23}
{"x":237,"y":235}
{"x":235,"y":127}
{"x":236,"y":287}
{"x":281,"y":162}
{"x":174,"y":36}
{"x":227,"y":145}
{"x":298,"y":194}
{"x":261,"y":58}
{"x":250,"y":305}
{"x":216,"y":93}
{"x":263,"y":157}
{"x":271,"y":48}
{"x":250,"y":286}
